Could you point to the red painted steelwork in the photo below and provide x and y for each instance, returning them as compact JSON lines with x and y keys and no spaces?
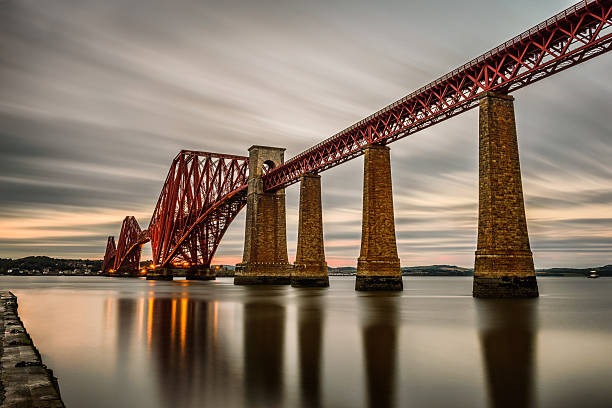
{"x":127,"y":258}
{"x":202,"y":194}
{"x":109,"y":255}
{"x":575,"y":35}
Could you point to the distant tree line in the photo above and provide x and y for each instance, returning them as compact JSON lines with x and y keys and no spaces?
{"x":601,"y":271}
{"x":39,"y":263}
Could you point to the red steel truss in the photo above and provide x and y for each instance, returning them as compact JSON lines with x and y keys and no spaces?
{"x":131,"y":239}
{"x":109,"y":255}
{"x":202,"y":194}
{"x":573,"y":36}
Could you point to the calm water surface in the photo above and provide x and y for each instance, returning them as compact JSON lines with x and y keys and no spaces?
{"x":132,"y":343}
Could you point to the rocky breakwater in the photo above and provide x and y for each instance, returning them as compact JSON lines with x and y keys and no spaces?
{"x":24,"y":380}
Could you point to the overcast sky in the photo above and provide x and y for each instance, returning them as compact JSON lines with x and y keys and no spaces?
{"x":97,"y":97}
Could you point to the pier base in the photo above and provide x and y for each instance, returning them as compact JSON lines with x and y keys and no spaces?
{"x":503,"y":265}
{"x":378,"y":267}
{"x":160,"y":274}
{"x":134,"y":273}
{"x":201,"y":274}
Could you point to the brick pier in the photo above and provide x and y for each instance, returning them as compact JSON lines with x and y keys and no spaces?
{"x":378,"y":267}
{"x":310,"y":268}
{"x":265,"y":258}
{"x":504,"y":264}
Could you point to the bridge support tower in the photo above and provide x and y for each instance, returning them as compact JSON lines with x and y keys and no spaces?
{"x":378,"y":267}
{"x":265,"y":258}
{"x":310,"y":268}
{"x":503,"y":264}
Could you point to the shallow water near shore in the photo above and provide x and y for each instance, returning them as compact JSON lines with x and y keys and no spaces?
{"x":131,"y":343}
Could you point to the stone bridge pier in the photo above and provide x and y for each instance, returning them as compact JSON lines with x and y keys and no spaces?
{"x":378,"y":267}
{"x":265,"y":258}
{"x":504,"y":264}
{"x":310,"y":268}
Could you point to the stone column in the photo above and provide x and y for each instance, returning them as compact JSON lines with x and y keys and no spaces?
{"x":160,"y":274}
{"x":201,"y":273}
{"x":504,"y":265}
{"x":265,"y":258}
{"x":310,"y":268}
{"x":378,"y":267}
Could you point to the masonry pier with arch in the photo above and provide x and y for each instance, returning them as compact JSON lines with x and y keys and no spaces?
{"x":265,"y":259}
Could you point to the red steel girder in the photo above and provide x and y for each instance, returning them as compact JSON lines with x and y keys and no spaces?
{"x":109,"y":255}
{"x":569,"y":38}
{"x":129,"y":246}
{"x":202,"y":194}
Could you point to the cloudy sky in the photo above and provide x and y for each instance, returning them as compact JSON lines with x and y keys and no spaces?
{"x":97,"y":97}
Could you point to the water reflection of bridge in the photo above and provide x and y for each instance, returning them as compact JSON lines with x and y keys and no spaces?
{"x":204,"y":353}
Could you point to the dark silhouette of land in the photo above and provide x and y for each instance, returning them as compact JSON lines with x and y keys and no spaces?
{"x":44,"y":265}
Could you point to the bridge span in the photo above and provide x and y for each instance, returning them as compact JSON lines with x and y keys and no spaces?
{"x":204,"y":191}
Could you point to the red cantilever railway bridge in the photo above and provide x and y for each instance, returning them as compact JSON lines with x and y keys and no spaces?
{"x":203,"y":192}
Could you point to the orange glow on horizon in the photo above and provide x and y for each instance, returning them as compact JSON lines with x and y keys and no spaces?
{"x":43,"y":224}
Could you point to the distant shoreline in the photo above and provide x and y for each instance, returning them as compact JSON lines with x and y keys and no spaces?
{"x":47,"y":266}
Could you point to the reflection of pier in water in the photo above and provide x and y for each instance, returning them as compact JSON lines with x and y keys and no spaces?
{"x":508,"y":340}
{"x":196,"y":360}
{"x":234,"y":355}
{"x":379,"y":322}
{"x":264,"y":332}
{"x":310,"y":343}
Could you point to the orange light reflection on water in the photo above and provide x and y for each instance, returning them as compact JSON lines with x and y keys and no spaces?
{"x":140,"y":314}
{"x":173,"y":322}
{"x":150,"y":320}
{"x":183,"y":322}
{"x":215,"y":320}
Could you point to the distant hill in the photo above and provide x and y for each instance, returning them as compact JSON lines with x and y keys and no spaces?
{"x":452,"y":270}
{"x":601,"y":270}
{"x":31,"y":263}
{"x":437,"y":270}
{"x":430,"y":270}
{"x":342,"y":270}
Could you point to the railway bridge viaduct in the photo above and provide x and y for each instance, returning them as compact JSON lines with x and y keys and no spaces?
{"x":203,"y":191}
